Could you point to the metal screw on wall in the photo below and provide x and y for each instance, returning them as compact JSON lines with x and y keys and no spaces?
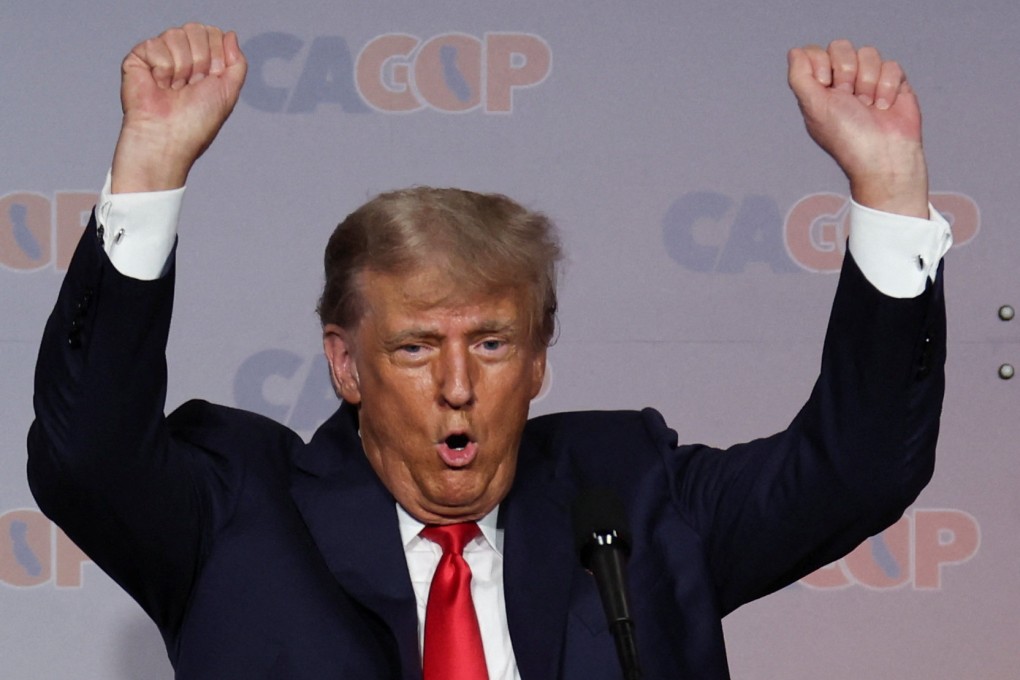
{"x":1006,"y":313}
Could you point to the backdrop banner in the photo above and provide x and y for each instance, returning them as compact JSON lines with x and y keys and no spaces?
{"x":702,"y":227}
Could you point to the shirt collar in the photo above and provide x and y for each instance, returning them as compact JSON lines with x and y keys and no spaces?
{"x":410,"y":528}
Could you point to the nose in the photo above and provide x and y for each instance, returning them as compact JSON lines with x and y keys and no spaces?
{"x":455,"y":380}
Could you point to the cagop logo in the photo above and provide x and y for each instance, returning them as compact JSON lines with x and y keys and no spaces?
{"x":394,"y":72}
{"x":913,"y":551}
{"x":36,"y":232}
{"x":817,"y":226}
{"x":706,"y":231}
{"x":33,"y":552}
{"x":287,"y":387}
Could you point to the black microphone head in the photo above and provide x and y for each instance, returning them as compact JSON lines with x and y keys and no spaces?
{"x":599,"y":519}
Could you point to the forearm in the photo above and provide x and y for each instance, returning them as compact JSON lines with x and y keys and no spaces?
{"x":851,"y":461}
{"x":99,"y":455}
{"x":106,"y":331}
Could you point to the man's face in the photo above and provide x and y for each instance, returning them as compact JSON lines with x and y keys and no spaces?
{"x":442,"y":384}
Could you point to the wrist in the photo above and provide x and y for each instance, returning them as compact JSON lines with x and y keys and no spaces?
{"x":901,"y":189}
{"x":147,"y":160}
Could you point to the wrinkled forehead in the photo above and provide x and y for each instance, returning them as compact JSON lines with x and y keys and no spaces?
{"x":436,"y":287}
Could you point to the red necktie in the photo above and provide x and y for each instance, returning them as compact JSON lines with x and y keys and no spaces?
{"x":453,"y":643}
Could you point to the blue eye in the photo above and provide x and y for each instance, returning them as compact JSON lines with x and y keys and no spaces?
{"x":492,"y":345}
{"x":411,"y":349}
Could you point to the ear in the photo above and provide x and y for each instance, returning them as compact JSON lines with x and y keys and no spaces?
{"x":537,"y":372}
{"x":338,"y":344}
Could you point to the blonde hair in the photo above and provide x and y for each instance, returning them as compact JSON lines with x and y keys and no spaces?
{"x":485,"y":242}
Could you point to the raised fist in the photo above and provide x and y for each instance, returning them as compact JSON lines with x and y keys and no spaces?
{"x":177,"y":90}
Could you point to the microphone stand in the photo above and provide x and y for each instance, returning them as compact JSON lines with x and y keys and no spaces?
{"x":605,"y":558}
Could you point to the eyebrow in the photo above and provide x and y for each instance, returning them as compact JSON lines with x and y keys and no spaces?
{"x":411,"y":334}
{"x":507,"y":328}
{"x":496,"y":326}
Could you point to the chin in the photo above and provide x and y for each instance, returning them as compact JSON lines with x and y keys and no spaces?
{"x":457,"y":508}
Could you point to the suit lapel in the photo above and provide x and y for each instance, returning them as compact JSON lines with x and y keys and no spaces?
{"x":539,"y":563}
{"x":352,"y":518}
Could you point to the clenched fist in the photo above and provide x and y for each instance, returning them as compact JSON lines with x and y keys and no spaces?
{"x":177,"y":90}
{"x":862,"y":112}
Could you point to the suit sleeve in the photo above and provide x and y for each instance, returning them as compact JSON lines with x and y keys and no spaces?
{"x":101,"y":462}
{"x":857,"y":454}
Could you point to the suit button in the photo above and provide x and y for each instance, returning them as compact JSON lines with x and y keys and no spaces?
{"x":924,"y":364}
{"x":74,"y":339}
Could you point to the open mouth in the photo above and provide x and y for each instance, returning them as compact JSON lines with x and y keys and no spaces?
{"x":457,"y":442}
{"x":457,"y":450}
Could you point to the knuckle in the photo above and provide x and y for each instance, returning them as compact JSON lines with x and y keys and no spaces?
{"x":889,"y":83}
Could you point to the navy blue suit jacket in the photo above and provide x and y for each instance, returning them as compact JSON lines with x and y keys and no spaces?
{"x":261,"y":557}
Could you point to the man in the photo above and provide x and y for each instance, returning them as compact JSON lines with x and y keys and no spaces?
{"x":259,"y":556}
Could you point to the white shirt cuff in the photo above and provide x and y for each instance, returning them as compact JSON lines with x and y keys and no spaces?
{"x":138,"y":230}
{"x":898,"y":254}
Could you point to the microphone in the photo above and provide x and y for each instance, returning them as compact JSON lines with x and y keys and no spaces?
{"x":603,"y":543}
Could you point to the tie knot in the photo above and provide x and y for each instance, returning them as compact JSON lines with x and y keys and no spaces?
{"x":451,"y":537}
